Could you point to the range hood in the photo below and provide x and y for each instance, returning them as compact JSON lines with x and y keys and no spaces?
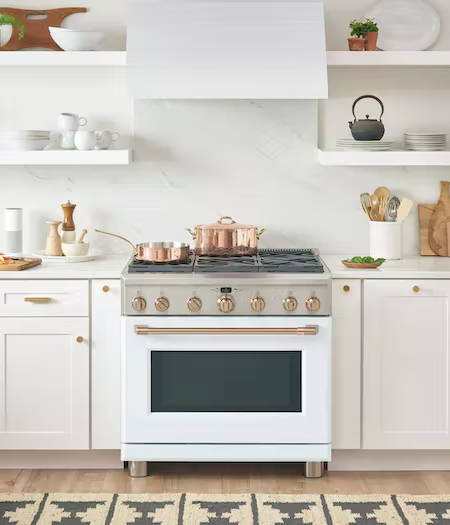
{"x":227,"y":49}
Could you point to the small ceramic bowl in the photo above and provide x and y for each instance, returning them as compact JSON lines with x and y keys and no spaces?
{"x":71,"y":40}
{"x":73,"y":249}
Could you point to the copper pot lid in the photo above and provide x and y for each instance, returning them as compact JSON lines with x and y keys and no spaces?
{"x":222,"y":225}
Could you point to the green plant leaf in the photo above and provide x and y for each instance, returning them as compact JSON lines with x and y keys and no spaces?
{"x":7,"y":19}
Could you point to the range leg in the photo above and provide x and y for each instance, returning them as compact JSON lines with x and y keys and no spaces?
{"x":137,"y":469}
{"x":314,"y":469}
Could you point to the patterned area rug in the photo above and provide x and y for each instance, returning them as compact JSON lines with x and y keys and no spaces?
{"x":222,"y":509}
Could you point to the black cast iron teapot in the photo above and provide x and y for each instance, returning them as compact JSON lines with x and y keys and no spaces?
{"x":368,"y":128}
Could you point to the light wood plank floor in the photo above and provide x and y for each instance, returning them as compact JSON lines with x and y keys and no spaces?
{"x":224,"y":478}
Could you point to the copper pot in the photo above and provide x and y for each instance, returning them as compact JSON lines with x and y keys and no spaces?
{"x":157,"y":252}
{"x":226,"y":237}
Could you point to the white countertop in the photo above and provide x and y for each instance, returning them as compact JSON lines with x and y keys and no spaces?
{"x":415,"y":267}
{"x":105,"y":267}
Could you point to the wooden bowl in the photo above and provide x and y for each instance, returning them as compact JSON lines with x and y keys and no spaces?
{"x":361,"y":266}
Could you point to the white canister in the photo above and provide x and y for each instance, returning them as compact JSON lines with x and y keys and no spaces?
{"x":386,"y":240}
{"x":85,"y":140}
{"x":13,"y":232}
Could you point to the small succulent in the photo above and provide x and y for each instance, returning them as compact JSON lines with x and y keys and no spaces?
{"x":360,"y":28}
{"x":6,"y":19}
{"x":365,"y":260}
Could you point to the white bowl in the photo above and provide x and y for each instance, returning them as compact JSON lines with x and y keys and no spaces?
{"x":71,"y":249}
{"x":24,"y":134}
{"x":23,"y":144}
{"x":71,"y":40}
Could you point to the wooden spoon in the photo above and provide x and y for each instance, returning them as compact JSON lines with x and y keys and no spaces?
{"x":404,"y":209}
{"x":374,"y":210}
{"x":383,"y":195}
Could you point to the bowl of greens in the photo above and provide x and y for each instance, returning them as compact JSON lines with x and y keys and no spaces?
{"x":363,"y":262}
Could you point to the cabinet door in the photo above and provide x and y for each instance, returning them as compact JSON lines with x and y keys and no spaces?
{"x":406,"y":364}
{"x":106,"y":364}
{"x":346,"y":355}
{"x":44,"y":383}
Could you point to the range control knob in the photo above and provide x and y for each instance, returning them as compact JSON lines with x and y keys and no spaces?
{"x":225,"y":304}
{"x":194,"y":304}
{"x":139,"y":304}
{"x":258,"y":304}
{"x":290,"y":304}
{"x":162,"y":304}
{"x":312,"y":304}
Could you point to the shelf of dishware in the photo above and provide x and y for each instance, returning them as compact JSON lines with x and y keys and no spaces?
{"x":63,"y":58}
{"x":383,"y":158}
{"x":65,"y":157}
{"x":344,"y":59}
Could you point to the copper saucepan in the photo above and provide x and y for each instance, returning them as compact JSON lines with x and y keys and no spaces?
{"x":157,"y":252}
{"x":226,"y":237}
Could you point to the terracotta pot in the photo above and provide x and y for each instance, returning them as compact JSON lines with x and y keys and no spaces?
{"x":356,"y":43}
{"x":371,"y":41}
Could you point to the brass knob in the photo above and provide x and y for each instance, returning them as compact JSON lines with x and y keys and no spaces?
{"x":290,"y":304}
{"x":346,"y":288}
{"x":139,"y":304}
{"x":194,"y":304}
{"x":258,"y":304}
{"x":312,"y":304}
{"x":416,"y":289}
{"x":162,"y":304}
{"x":106,"y":288}
{"x":225,"y":304}
{"x":80,"y":339}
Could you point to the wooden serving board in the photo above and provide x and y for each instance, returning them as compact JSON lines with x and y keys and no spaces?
{"x":426,"y":212}
{"x":20,"y":264}
{"x":37,"y":33}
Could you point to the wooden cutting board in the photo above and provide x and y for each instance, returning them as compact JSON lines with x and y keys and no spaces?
{"x":426,"y":212}
{"x":37,"y":33}
{"x":20,"y":264}
{"x":437,"y":227}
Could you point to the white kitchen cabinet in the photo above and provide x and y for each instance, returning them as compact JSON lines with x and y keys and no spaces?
{"x":346,"y":364}
{"x":406,"y":364}
{"x":105,"y":407}
{"x":44,"y":383}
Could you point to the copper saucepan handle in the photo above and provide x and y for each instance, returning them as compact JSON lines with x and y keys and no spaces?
{"x":118,"y":237}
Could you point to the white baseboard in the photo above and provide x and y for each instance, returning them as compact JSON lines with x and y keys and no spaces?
{"x":383,"y":460}
{"x":60,"y":459}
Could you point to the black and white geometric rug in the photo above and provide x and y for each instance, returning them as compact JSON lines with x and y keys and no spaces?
{"x":223,"y":509}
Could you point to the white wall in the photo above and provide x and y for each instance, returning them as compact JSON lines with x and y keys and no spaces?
{"x":197,"y":160}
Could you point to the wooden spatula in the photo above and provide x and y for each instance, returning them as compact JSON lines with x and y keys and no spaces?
{"x":404,"y":209}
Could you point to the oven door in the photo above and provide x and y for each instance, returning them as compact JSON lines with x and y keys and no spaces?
{"x":226,"y":380}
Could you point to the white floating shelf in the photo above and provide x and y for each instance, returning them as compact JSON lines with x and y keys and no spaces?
{"x":61,"y":157}
{"x":388,"y":59}
{"x":384,"y":158}
{"x":63,"y":58}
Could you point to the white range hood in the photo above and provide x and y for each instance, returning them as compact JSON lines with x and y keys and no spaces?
{"x":227,"y":49}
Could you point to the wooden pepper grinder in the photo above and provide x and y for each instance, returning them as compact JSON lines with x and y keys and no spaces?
{"x":68,"y":226}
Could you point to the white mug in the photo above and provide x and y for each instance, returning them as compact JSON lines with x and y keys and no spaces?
{"x":67,"y":140}
{"x":70,"y":122}
{"x":85,"y":140}
{"x":104,"y":139}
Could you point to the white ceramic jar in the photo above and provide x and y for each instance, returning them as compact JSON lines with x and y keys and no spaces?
{"x":85,"y":140}
{"x":386,"y":240}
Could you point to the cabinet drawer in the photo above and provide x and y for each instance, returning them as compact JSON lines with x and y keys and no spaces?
{"x":35,"y":298}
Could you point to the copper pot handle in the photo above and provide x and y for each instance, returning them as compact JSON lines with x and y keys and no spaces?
{"x":118,"y":237}
{"x":260,"y":232}
{"x":226,"y":218}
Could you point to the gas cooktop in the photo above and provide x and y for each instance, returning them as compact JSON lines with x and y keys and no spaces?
{"x":289,"y":260}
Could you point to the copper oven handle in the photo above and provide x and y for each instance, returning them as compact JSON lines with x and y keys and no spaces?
{"x":300,"y":330}
{"x":40,"y":300}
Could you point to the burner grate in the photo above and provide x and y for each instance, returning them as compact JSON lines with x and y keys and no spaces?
{"x":289,"y":261}
{"x":220,"y":264}
{"x":137,"y":266}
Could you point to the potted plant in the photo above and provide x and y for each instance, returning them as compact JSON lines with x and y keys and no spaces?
{"x":371,"y":34}
{"x":357,"y":39}
{"x":10,"y":20}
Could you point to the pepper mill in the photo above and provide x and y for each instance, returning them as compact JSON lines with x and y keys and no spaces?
{"x":53,"y":245}
{"x":68,"y":226}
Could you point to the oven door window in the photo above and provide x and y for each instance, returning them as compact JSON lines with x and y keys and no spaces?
{"x":215,"y":381}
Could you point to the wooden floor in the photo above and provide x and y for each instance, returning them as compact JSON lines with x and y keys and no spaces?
{"x":224,"y":478}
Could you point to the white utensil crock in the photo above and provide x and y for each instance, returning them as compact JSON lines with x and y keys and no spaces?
{"x":386,"y":240}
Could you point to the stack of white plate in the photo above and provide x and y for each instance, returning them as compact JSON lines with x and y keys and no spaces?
{"x":24,"y":140}
{"x":421,"y":141}
{"x":364,"y":145}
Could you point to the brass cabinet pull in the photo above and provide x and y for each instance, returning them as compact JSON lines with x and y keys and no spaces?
{"x":301,"y":330}
{"x":40,"y":300}
{"x":106,"y":288}
{"x":80,"y":339}
{"x":416,"y":289}
{"x":346,"y":288}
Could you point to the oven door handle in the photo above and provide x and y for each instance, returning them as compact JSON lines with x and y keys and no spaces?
{"x":300,"y":330}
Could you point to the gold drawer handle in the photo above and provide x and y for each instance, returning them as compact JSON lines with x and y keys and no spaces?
{"x":416,"y":289}
{"x":40,"y":300}
{"x":106,"y":288}
{"x":80,"y":339}
{"x":346,"y":288}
